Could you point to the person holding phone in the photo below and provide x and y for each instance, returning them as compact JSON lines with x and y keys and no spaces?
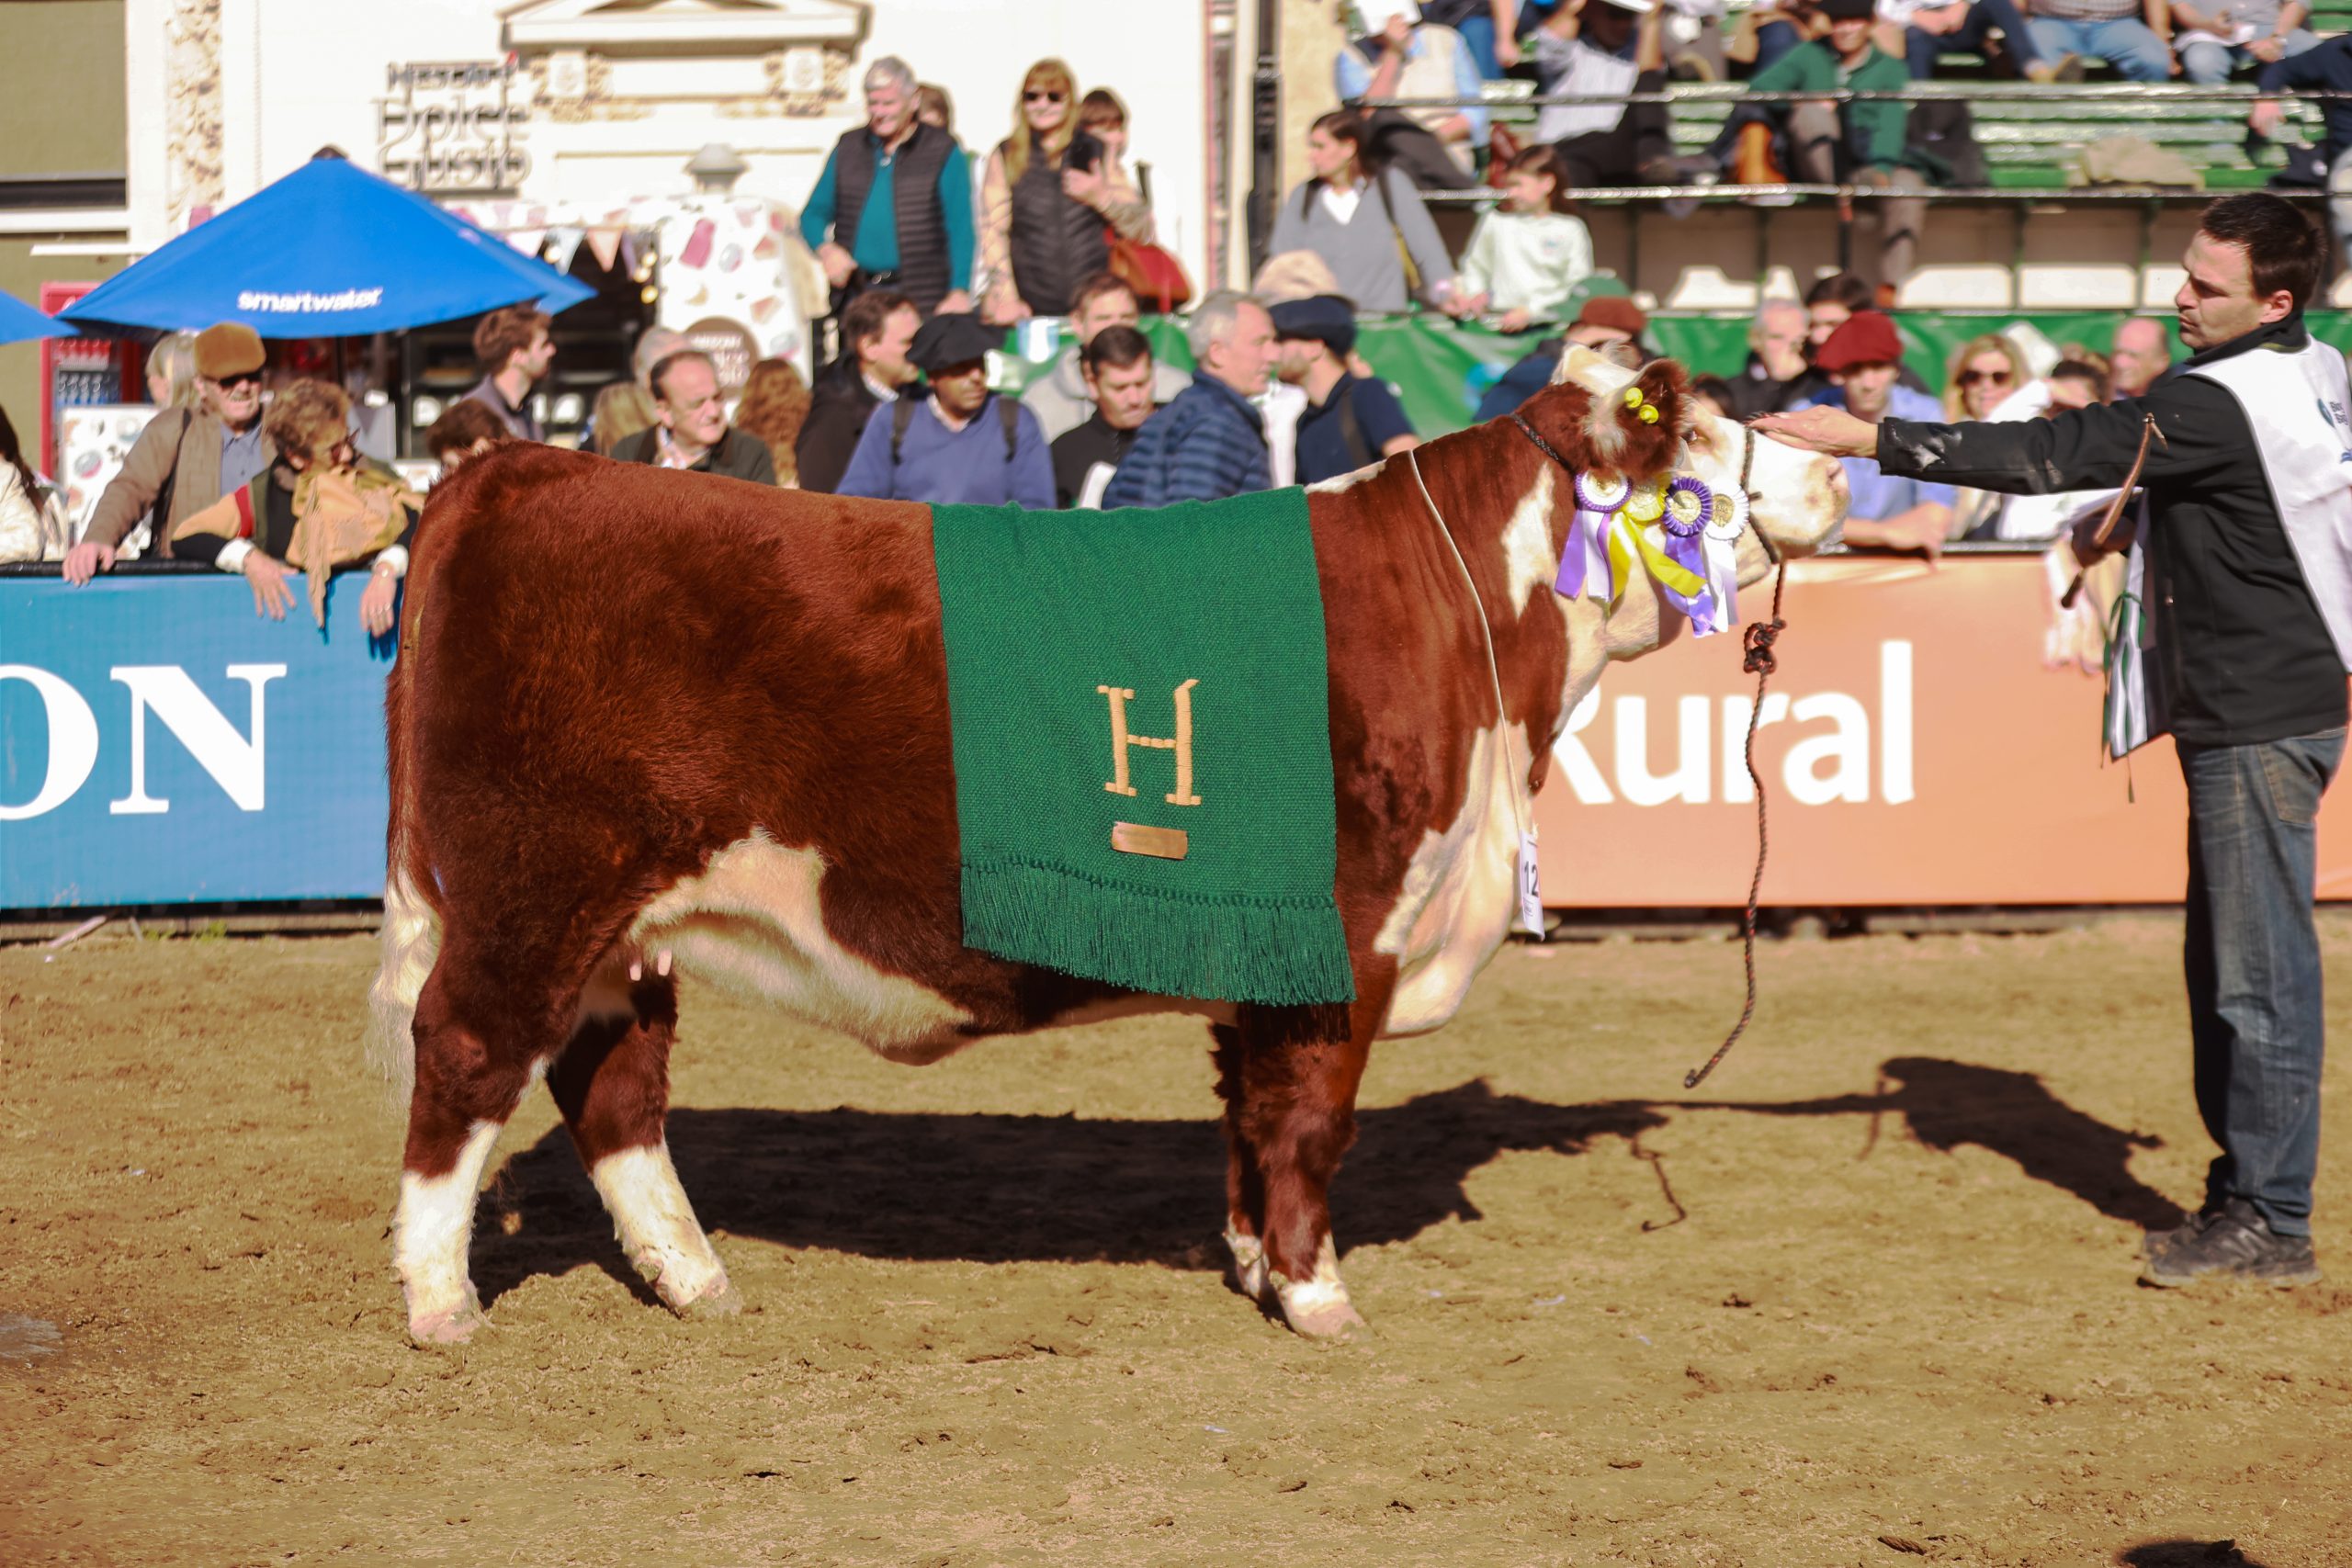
{"x":1045,"y":200}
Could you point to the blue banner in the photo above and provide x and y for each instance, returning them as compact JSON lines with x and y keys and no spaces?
{"x":160,"y":743}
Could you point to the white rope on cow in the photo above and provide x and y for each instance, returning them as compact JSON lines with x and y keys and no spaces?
{"x":1502,"y":712}
{"x":1485,"y":635}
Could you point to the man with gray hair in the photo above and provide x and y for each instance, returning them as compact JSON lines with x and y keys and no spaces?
{"x":893,"y":208}
{"x":1209,"y":443}
{"x":1776,"y":345}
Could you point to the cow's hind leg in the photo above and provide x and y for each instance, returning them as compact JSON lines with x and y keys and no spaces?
{"x":1298,"y":1070}
{"x":613,"y":1086}
{"x":1245,"y":1192}
{"x":474,"y":1059}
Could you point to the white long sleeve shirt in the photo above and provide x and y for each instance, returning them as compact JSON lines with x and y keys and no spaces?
{"x":1528,"y":261}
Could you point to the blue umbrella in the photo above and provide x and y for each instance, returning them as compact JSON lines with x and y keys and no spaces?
{"x":330,"y":251}
{"x":19,"y":320}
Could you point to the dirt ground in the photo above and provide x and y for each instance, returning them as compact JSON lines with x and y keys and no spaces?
{"x":1866,"y":1297}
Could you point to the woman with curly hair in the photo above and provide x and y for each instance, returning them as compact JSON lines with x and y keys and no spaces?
{"x":1049,"y":189}
{"x":773,"y":407}
{"x":319,"y":506}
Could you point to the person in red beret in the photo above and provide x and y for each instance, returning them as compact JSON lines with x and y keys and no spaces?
{"x":1863,"y":360}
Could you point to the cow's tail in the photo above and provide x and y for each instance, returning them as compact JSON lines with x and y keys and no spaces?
{"x":411,"y":940}
{"x":411,"y":929}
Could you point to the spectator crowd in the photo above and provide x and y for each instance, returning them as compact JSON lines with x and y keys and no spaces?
{"x":931,"y":257}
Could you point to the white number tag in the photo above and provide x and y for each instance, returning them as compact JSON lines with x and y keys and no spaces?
{"x":1530,"y":895}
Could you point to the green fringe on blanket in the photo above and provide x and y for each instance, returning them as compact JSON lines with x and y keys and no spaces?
{"x":1283,"y":953}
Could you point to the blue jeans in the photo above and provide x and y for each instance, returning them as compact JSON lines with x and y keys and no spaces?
{"x":1921,"y":47}
{"x":2124,"y":43}
{"x":2209,"y":64}
{"x":2252,"y":958}
{"x":1478,"y":32}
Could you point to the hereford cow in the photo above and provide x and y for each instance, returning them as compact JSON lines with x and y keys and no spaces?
{"x":647,"y":724}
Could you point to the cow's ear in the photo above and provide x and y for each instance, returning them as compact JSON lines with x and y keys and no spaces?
{"x":1639,"y":429}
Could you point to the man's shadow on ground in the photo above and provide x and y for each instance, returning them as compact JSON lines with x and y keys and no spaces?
{"x":991,"y":1188}
{"x":1945,"y":1104}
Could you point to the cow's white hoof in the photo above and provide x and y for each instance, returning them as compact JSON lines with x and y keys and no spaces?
{"x":454,"y":1325}
{"x":1314,"y":1317}
{"x":1249,"y":1276}
{"x":1319,"y":1308}
{"x":721,"y":1299}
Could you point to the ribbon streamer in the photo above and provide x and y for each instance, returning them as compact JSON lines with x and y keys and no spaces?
{"x":1683,"y":532}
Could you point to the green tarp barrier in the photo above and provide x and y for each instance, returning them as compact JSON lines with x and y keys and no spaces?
{"x":1440,"y":370}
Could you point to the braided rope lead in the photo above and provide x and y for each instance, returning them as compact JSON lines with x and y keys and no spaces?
{"x":1759,"y":658}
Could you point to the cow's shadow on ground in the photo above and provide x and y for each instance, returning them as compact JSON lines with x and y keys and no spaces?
{"x":993,"y":1189}
{"x":990,"y":1187}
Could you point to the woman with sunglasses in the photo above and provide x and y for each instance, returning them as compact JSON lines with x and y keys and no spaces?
{"x":1983,"y":373}
{"x":186,"y":458}
{"x":1049,"y":191}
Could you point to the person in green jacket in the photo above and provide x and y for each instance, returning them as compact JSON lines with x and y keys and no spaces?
{"x":1829,"y":143}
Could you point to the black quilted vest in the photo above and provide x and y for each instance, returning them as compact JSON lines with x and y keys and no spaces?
{"x":914,"y":191}
{"x":1057,"y":242}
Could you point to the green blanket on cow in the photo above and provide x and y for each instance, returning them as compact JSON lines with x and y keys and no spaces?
{"x":1143,"y":753}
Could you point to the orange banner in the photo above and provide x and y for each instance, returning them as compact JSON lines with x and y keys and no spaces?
{"x":1914,"y":752}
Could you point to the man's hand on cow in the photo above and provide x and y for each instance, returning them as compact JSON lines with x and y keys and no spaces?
{"x":838,"y":263}
{"x":1832,"y":432}
{"x":272,"y":597}
{"x":957,"y":303}
{"x":86,"y":559}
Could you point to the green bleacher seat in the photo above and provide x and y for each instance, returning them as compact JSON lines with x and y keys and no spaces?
{"x":2030,"y":140}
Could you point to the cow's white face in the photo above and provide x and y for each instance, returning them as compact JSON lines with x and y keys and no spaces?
{"x":1798,"y":499}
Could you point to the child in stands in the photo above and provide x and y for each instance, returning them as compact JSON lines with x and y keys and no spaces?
{"x":1529,"y":255}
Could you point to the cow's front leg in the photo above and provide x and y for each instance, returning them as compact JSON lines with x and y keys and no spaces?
{"x":613,"y":1086}
{"x":1298,"y":1096}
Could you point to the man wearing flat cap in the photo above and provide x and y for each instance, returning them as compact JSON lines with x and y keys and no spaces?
{"x":186,"y":459}
{"x":962,"y":443}
{"x":1610,"y":324}
{"x":1856,"y":144}
{"x":1351,"y":421}
{"x":1863,"y":359}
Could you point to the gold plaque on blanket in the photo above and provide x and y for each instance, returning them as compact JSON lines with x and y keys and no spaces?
{"x":1137,"y":839}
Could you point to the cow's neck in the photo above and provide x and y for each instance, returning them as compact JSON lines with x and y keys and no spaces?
{"x":1507,"y":509}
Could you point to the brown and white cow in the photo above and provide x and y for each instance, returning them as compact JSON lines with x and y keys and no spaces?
{"x":646,"y":724}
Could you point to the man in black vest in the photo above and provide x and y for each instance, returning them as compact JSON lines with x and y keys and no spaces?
{"x":893,"y":208}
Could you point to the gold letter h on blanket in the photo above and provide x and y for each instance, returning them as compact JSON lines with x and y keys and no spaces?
{"x":1182,"y":745}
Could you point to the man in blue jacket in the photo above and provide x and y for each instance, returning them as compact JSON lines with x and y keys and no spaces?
{"x":962,"y":443}
{"x":1211,"y":441}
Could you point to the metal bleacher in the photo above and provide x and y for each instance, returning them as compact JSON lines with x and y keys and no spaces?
{"x":2030,"y":135}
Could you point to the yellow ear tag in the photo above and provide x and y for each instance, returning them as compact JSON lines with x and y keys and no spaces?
{"x":1649,"y":413}
{"x":1633,"y":396}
